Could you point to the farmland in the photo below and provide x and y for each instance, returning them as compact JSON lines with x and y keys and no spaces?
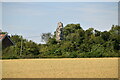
{"x":61,"y":68}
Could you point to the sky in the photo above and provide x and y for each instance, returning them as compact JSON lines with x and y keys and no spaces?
{"x":31,"y":19}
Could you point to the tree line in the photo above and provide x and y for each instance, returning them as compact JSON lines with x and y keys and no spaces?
{"x":76,"y":43}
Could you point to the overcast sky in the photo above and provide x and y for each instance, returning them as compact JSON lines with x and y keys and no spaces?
{"x":32,"y":19}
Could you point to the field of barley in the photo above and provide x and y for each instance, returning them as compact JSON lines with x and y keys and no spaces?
{"x":61,"y":68}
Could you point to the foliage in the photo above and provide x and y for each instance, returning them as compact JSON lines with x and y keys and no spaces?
{"x":46,"y":36}
{"x":28,"y":49}
{"x":77,"y":43}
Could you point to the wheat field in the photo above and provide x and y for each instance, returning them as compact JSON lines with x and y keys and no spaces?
{"x":61,"y":68}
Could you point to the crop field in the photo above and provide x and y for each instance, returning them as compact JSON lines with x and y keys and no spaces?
{"x":61,"y":68}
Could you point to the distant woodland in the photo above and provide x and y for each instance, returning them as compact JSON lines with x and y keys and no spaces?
{"x":76,"y":43}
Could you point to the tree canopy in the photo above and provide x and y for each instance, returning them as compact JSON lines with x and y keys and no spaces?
{"x":77,"y":43}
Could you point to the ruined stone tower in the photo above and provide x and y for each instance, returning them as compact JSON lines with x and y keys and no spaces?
{"x":59,"y":32}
